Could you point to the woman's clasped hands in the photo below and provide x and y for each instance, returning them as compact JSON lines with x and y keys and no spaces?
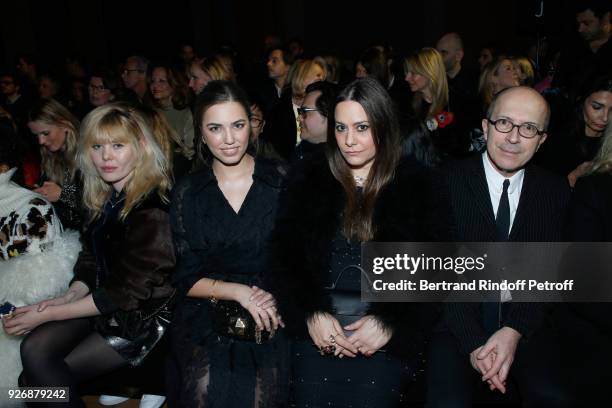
{"x":367,"y":337}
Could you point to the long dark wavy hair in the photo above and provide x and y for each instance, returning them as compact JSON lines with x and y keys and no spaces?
{"x":357,"y":219}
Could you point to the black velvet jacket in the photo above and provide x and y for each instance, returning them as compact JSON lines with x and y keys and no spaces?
{"x":135,"y":258}
{"x":310,"y":210}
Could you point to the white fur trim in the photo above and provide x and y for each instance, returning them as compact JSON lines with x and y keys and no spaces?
{"x":28,"y":279}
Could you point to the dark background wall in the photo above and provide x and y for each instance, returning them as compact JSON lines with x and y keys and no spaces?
{"x":108,"y":30}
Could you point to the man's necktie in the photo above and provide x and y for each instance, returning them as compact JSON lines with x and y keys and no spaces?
{"x":502,"y":219}
{"x":492,"y":309}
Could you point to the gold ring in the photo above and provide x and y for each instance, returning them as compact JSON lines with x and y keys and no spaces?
{"x":332,"y":339}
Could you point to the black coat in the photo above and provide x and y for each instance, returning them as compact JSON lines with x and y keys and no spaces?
{"x":539,"y":218}
{"x":309,"y":219}
{"x":281,"y":128}
{"x":138,"y":258}
{"x":590,"y":220}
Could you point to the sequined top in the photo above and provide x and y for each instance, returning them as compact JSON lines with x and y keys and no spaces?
{"x":68,"y":207}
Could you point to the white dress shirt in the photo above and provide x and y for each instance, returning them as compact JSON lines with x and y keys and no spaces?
{"x":495,"y":183}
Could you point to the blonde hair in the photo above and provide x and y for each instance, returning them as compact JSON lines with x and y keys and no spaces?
{"x":121,"y":123}
{"x":486,"y":87}
{"x":165,"y":136}
{"x":298,"y":73}
{"x":602,"y":163}
{"x":428,"y":63}
{"x":217,"y":68}
{"x":51,"y":112}
{"x":526,"y":68}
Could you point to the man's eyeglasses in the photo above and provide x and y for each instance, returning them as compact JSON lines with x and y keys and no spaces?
{"x":98,"y":88}
{"x":125,"y":70}
{"x":302,"y":110}
{"x":526,"y":130}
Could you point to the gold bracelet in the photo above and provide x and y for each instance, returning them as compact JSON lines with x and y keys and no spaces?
{"x":213,"y":299}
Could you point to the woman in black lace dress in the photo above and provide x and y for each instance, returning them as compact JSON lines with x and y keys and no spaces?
{"x":227,"y":350}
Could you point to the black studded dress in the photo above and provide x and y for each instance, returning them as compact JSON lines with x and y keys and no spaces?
{"x":321,"y":381}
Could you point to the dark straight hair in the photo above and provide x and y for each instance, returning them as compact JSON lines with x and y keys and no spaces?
{"x":214,"y":93}
{"x":358,"y":213}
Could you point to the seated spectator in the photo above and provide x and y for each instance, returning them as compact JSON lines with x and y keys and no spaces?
{"x":57,"y":131}
{"x":589,"y":221}
{"x":575,"y":142}
{"x":496,"y":76}
{"x":170,"y":96}
{"x":12,"y":99}
{"x":105,"y":87}
{"x":426,"y":76}
{"x":317,"y":107}
{"x":487,"y":54}
{"x":118,"y":306}
{"x":524,"y":70}
{"x":49,"y":87}
{"x":36,"y":258}
{"x":282,"y":130}
{"x":134,"y":76}
{"x":214,"y":68}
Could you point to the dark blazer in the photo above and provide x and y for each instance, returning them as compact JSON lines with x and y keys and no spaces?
{"x":590,"y":220}
{"x":137,"y":263}
{"x":310,"y":215}
{"x":281,"y":128}
{"x":539,"y":218}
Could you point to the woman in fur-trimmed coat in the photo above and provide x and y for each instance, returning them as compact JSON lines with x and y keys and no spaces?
{"x":356,"y":193}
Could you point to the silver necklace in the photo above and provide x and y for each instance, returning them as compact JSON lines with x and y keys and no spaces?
{"x":359,"y":181}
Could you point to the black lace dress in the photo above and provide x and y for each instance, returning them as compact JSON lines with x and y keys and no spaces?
{"x":213,"y":241}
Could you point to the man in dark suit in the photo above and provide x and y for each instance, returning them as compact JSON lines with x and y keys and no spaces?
{"x":498,"y":196}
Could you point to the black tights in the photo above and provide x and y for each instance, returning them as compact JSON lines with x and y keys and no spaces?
{"x":64,"y":354}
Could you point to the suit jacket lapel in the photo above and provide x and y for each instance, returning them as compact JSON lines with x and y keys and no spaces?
{"x":526,"y":201}
{"x":477,"y":182}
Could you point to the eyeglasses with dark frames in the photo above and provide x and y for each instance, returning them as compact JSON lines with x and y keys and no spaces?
{"x":99,"y":88}
{"x":526,"y":130}
{"x":304,"y":110}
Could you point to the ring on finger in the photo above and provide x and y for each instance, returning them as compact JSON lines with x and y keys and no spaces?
{"x":329,"y":349}
{"x":332,"y":339}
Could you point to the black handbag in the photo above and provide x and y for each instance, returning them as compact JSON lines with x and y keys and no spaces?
{"x":346,"y":304}
{"x":230,"y":319}
{"x":133,"y":334}
{"x":132,"y":324}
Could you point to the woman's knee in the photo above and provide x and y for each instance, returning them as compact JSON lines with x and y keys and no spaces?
{"x":32,"y":350}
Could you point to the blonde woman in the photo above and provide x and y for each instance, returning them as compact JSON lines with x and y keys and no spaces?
{"x":214,"y":68}
{"x":282,"y":129}
{"x":428,"y":137}
{"x":303,"y":73}
{"x":524,"y":70}
{"x":171,"y":97}
{"x":426,"y":76}
{"x":57,"y":131}
{"x":118,"y":305}
{"x":496,"y":76}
